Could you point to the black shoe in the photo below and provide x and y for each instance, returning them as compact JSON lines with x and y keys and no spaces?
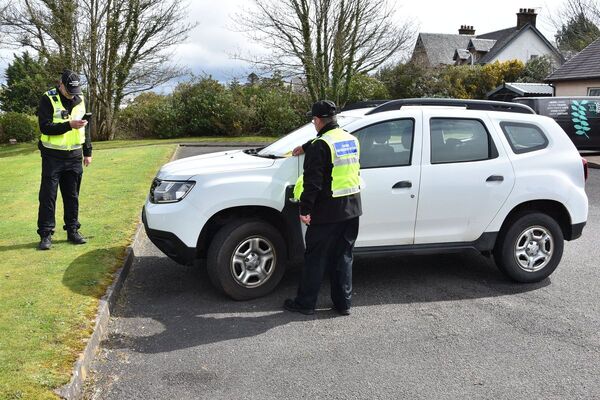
{"x":342,"y":311}
{"x":45,"y":242}
{"x":75,"y":237}
{"x":292,"y":306}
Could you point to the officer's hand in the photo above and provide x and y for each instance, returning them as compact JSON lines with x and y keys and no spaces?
{"x":305,"y":219}
{"x":87,"y":161}
{"x":77,"y":123}
{"x":298,"y":151}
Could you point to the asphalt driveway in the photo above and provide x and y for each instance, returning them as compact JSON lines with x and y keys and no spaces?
{"x":431,"y":327}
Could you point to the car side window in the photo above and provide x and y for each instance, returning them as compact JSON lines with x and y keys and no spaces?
{"x":524,"y":137}
{"x":460,"y":140}
{"x":386,"y":144}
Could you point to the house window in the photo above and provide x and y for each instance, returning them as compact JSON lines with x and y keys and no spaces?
{"x":595,"y":91}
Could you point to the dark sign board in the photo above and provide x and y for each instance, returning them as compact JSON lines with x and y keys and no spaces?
{"x":578,"y":116}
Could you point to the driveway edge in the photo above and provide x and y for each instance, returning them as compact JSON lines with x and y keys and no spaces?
{"x":75,"y":388}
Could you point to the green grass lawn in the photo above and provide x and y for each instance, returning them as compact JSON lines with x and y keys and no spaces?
{"x":48,"y":300}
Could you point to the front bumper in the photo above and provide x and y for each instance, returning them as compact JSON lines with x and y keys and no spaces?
{"x":170,"y":244}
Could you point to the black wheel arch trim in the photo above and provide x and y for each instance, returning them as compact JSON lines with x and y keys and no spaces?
{"x":576,"y":231}
{"x":286,"y":221}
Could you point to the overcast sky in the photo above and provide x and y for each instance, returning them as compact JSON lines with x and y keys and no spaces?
{"x":212,"y":43}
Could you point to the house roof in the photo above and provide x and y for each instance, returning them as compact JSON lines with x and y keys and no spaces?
{"x":498,"y":35}
{"x":440,"y":47}
{"x":481,"y":44}
{"x":524,"y":89}
{"x":584,"y":65}
{"x":461,"y":54}
{"x":510,"y":35}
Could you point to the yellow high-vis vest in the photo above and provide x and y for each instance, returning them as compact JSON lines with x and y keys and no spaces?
{"x":71,"y":140}
{"x":345,"y":153}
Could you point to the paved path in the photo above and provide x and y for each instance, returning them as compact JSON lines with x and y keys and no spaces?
{"x":435,"y":327}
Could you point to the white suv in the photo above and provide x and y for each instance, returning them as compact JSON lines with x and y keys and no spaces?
{"x":437,"y":175}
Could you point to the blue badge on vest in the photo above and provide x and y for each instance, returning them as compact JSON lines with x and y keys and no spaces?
{"x":345,"y":148}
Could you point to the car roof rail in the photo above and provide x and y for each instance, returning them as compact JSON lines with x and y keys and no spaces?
{"x":484,"y":105}
{"x":363,"y":104}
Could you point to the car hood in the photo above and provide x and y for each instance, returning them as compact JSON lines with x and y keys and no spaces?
{"x":224,"y":161}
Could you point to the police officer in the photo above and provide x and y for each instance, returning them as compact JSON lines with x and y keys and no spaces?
{"x":63,"y":145}
{"x":330,"y":206}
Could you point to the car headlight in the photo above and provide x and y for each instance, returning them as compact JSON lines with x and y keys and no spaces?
{"x":169,"y":191}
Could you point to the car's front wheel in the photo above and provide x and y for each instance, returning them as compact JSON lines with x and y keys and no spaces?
{"x":530,"y":248}
{"x":246,"y":259}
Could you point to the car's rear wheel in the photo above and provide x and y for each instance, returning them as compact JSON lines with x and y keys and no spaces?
{"x":246,"y":259}
{"x":530,"y":248}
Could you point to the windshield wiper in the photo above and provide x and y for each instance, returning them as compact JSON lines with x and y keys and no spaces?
{"x":254,"y":152}
{"x":272,"y":156}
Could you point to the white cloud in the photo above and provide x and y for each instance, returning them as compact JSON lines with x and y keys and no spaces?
{"x":212,"y":44}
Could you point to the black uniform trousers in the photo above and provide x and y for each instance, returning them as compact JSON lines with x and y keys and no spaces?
{"x":66,"y":173}
{"x":328,"y":248}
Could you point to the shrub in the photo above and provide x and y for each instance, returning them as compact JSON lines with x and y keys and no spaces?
{"x":150,"y":115}
{"x":206,"y":108}
{"x":364,"y":87}
{"x":18,"y":126}
{"x":277,"y":114}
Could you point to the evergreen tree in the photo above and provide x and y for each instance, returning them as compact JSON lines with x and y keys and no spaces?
{"x":577,"y":34}
{"x":27,"y":79}
{"x":537,"y":69}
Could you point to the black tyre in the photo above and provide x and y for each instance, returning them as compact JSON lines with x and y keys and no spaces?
{"x":246,"y":259}
{"x":530,"y":248}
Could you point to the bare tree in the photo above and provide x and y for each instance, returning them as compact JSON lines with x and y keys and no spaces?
{"x":46,"y":26}
{"x":326,"y":41}
{"x":122,"y":46}
{"x":125,"y":46}
{"x":3,"y":7}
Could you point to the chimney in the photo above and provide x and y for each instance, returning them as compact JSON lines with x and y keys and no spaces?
{"x":466,"y":30}
{"x":525,"y":16}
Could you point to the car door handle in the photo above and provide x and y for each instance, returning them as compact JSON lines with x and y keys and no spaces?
{"x":495,"y":178}
{"x":402,"y":185}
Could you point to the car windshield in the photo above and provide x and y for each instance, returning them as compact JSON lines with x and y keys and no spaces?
{"x":284,"y":146}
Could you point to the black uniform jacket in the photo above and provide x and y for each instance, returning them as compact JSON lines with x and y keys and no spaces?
{"x":316,"y":198}
{"x":47,"y":127}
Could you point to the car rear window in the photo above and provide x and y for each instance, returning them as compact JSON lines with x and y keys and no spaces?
{"x":524,"y":137}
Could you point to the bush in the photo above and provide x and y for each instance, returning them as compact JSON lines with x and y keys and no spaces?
{"x":276,"y":109}
{"x":18,"y":126}
{"x":364,"y":87}
{"x":150,"y":115}
{"x":206,"y":108}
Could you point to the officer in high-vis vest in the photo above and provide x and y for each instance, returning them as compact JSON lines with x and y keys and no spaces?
{"x":329,"y":197}
{"x":64,"y":145}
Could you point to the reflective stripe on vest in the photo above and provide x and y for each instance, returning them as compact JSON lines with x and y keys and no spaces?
{"x":345,"y":153}
{"x":71,"y":140}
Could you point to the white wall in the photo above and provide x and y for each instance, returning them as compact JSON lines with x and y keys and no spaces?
{"x":524,"y":46}
{"x":575,"y":88}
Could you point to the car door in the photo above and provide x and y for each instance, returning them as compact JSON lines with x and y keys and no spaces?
{"x":466,"y":177}
{"x":390,"y":155}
